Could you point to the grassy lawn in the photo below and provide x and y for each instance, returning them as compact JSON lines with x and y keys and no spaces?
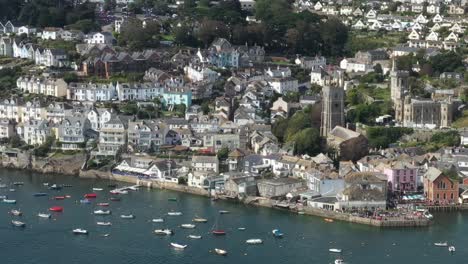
{"x":373,"y":40}
{"x":461,"y":121}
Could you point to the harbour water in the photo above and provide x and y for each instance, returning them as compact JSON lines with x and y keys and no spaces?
{"x":307,"y":239}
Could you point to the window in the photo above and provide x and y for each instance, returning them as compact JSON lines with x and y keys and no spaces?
{"x":445,"y":196}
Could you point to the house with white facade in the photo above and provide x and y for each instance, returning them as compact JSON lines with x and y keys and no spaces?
{"x":92,"y":92}
{"x":42,"y":85}
{"x":100,"y":38}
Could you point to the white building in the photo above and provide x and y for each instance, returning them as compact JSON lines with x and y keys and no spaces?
{"x":138,"y":91}
{"x":98,"y":117}
{"x":100,"y":38}
{"x":42,"y":85}
{"x":283,"y":85}
{"x":200,"y":73}
{"x":92,"y":92}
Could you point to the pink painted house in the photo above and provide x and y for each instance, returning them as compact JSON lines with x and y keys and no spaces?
{"x":401,"y":176}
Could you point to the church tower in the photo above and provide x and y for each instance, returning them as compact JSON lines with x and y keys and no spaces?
{"x":398,"y":83}
{"x":332,"y":108}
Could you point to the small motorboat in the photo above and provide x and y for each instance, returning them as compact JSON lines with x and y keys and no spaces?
{"x":55,"y":187}
{"x":157,"y":220}
{"x":18,"y":183}
{"x":178,"y":246}
{"x":241,"y":228}
{"x":187,"y":226}
{"x":16,"y":212}
{"x":335,"y":250}
{"x":41,"y":215}
{"x":224,"y":212}
{"x":441,"y":244}
{"x":18,"y":223}
{"x":300,"y":212}
{"x":220,"y":252}
{"x":104,"y":223}
{"x":194,"y":237}
{"x":428,"y":215}
{"x":45,"y":184}
{"x":277,"y":233}
{"x":68,"y":196}
{"x":39,"y":194}
{"x":115,"y":199}
{"x":254,"y":241}
{"x":328,"y":220}
{"x":56,"y":209}
{"x":173,"y":199}
{"x":102,"y":212}
{"x":451,"y":249}
{"x":90,"y":195}
{"x":218,"y":232}
{"x":103,"y":204}
{"x":80,"y":231}
{"x":9,"y":201}
{"x":199,"y":220}
{"x":106,"y":235}
{"x":59,"y":198}
{"x":85,"y":201}
{"x":165,"y":232}
{"x":12,"y":190}
{"x":339,"y":261}
{"x":130,"y":216}
{"x":98,"y":189}
{"x":174,"y":213}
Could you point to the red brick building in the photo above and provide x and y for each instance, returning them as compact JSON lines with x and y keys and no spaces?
{"x":440,"y":188}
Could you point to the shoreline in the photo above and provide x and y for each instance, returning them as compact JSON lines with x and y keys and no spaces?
{"x":252,"y":201}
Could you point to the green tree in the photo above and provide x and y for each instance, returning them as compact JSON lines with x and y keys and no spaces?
{"x":307,"y":141}
{"x":205,"y":107}
{"x":223,"y":153}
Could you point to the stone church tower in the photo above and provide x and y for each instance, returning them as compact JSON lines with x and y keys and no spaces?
{"x":399,"y":87}
{"x":332,"y":108}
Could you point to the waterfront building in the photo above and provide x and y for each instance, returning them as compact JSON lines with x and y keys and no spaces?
{"x":205,"y":164}
{"x":112,"y":137}
{"x":363,"y":190}
{"x":440,"y":188}
{"x":72,"y":132}
{"x":34,"y":132}
{"x":278,"y":187}
{"x":401,"y":176}
{"x":146,"y":135}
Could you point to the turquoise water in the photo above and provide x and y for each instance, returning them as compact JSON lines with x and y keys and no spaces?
{"x":307,"y":239}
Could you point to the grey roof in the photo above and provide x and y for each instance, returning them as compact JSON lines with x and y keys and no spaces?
{"x":432,"y":174}
{"x":205,"y":159}
{"x":344,"y":133}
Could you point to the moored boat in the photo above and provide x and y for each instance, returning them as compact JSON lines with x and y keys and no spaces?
{"x":254,"y":241}
{"x":59,"y":198}
{"x":165,"y":232}
{"x":194,"y":237}
{"x":42,"y":215}
{"x":9,"y":201}
{"x":98,"y":189}
{"x":157,"y":220}
{"x":18,"y":183}
{"x":173,"y":199}
{"x":224,"y":212}
{"x":39,"y":194}
{"x":130,"y":216}
{"x":178,"y":246}
{"x":187,"y":226}
{"x":90,"y":195}
{"x":56,"y":209}
{"x":328,"y":220}
{"x":441,"y":244}
{"x":339,"y":261}
{"x":80,"y":231}
{"x":241,"y":228}
{"x":16,"y":212}
{"x":103,"y":204}
{"x":451,"y":249}
{"x":3,"y":185}
{"x":218,"y":232}
{"x":277,"y":233}
{"x":104,"y":223}
{"x":199,"y":220}
{"x":55,"y":187}
{"x":18,"y":223}
{"x":102,"y":212}
{"x":174,"y":213}
{"x":85,"y":201}
{"x":335,"y":250}
{"x":221,"y":252}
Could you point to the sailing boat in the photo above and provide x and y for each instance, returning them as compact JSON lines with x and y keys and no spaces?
{"x":216,"y":230}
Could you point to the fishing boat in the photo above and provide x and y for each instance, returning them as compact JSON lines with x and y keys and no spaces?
{"x":441,"y":244}
{"x":18,"y":183}
{"x":103,"y":204}
{"x":157,"y":220}
{"x":174,"y":213}
{"x":104,"y":223}
{"x":39,"y":194}
{"x":165,"y":232}
{"x":241,"y":228}
{"x":277,"y":233}
{"x":16,"y":212}
{"x":328,"y":220}
{"x":451,"y":249}
{"x":80,"y":231}
{"x":221,"y":252}
{"x":199,"y":220}
{"x":98,"y":189}
{"x":187,"y":226}
{"x":41,"y":215}
{"x":178,"y":246}
{"x":9,"y":201}
{"x":115,"y":199}
{"x":335,"y":250}
{"x":224,"y":212}
{"x":254,"y":241}
{"x":194,"y":237}
{"x":130,"y":216}
{"x":85,"y":201}
{"x":102,"y":212}
{"x":18,"y":223}
{"x":56,"y":209}
{"x":339,"y":261}
{"x":90,"y":195}
{"x":173,"y":199}
{"x":59,"y":198}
